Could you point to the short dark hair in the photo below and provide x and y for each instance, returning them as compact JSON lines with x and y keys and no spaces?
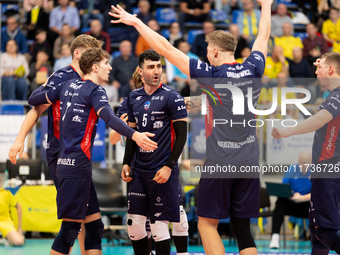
{"x":90,"y":57}
{"x":148,"y":55}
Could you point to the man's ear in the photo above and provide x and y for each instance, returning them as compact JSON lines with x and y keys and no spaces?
{"x":215,"y":52}
{"x":140,"y":71}
{"x":76,"y":54}
{"x":330,"y":69}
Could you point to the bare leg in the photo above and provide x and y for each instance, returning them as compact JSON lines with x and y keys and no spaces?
{"x":15,"y":238}
{"x":212,"y":242}
{"x":81,"y":238}
{"x":249,"y":251}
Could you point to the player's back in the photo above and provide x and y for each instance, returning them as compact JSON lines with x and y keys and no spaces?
{"x":230,"y":125}
{"x":62,"y":75}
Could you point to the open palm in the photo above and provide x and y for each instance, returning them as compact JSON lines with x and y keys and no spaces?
{"x":122,"y":16}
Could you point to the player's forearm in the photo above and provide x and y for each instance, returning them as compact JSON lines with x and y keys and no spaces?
{"x":309,"y":125}
{"x":156,"y":41}
{"x":114,"y":137}
{"x":30,"y":120}
{"x":265,"y":21}
{"x":306,"y":198}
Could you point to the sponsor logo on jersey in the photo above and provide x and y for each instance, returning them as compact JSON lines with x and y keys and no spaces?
{"x":138,"y":98}
{"x":76,"y":119}
{"x":157,"y":214}
{"x":258,"y":57}
{"x":78,"y":110}
{"x":74,"y":86}
{"x":69,"y":71}
{"x":81,"y":105}
{"x":181,"y":107}
{"x":165,"y":88}
{"x":66,"y":162}
{"x":136,"y":194}
{"x":178,"y":100}
{"x":145,"y":151}
{"x":158,"y":124}
{"x":147,"y":105}
{"x":156,"y":112}
{"x":155,"y":98}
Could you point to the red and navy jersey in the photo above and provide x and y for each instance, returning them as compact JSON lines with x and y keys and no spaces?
{"x":79,"y":102}
{"x":62,"y":75}
{"x":123,"y":108}
{"x":230,"y":138}
{"x":326,"y":145}
{"x":154,"y":113}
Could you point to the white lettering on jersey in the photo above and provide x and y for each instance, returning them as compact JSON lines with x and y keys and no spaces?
{"x":181,"y":107}
{"x":76,"y":119}
{"x":78,"y":110}
{"x":239,"y":75}
{"x":74,"y":86}
{"x":66,"y":162}
{"x":158,"y":124}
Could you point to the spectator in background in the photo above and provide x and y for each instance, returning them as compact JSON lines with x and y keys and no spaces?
{"x":67,"y":36}
{"x":248,"y":21}
{"x":331,"y":27}
{"x":13,"y":32}
{"x":193,"y":10}
{"x":144,"y":13}
{"x":298,"y":67}
{"x":313,"y":45}
{"x":36,"y":19}
{"x":298,"y":176}
{"x":241,"y":42}
{"x":39,"y":70}
{"x":276,"y":64}
{"x":244,"y":55}
{"x":91,"y":9}
{"x":181,"y":79}
{"x":279,"y":19}
{"x":7,"y":201}
{"x":141,"y":44}
{"x":60,"y":15}
{"x":14,"y":69}
{"x":65,"y":59}
{"x":175,"y":33}
{"x":199,"y":47}
{"x":41,"y":43}
{"x":123,"y":67}
{"x":29,"y":4}
{"x":230,"y":5}
{"x":287,"y":41}
{"x":97,"y":32}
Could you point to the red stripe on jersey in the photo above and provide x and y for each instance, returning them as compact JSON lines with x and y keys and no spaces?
{"x":56,"y":118}
{"x":86,"y":142}
{"x":328,"y":147}
{"x":173,"y":135}
{"x":74,"y":69}
{"x":209,"y":118}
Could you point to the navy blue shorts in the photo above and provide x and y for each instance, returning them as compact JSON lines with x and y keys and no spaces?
{"x":76,"y":198}
{"x":219,"y":198}
{"x":53,"y":169}
{"x":325,"y":203}
{"x":156,"y":201}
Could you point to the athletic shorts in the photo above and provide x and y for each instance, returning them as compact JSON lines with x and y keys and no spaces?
{"x":219,"y":198}
{"x":325,"y":203}
{"x":156,"y":201}
{"x":6,"y":227}
{"x":76,"y":198}
{"x":53,"y":169}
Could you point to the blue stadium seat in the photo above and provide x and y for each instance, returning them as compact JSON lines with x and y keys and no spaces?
{"x":219,"y":16}
{"x":167,"y":2}
{"x":235,"y":15}
{"x":166,"y":33}
{"x":135,"y":10}
{"x":302,"y":35}
{"x":11,"y":109}
{"x":8,"y":9}
{"x":192,"y":33}
{"x":165,"y":16}
{"x":84,"y":30}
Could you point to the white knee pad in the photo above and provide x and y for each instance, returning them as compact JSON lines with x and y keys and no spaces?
{"x":181,"y":228}
{"x":160,"y":230}
{"x":136,"y":226}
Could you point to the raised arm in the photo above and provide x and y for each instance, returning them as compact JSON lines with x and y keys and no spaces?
{"x":156,"y":41}
{"x":261,"y":42}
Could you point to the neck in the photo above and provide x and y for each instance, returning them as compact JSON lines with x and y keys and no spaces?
{"x":91,"y":76}
{"x":334,"y":82}
{"x":227,"y":57}
{"x":150,"y":89}
{"x":75,"y":64}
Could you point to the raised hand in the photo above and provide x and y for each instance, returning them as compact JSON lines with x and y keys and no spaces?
{"x":122,"y":16}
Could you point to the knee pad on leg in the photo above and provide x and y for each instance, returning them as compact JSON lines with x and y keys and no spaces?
{"x":94,"y":231}
{"x":147,"y":228}
{"x":136,"y":226}
{"x":67,"y":235}
{"x":241,"y":230}
{"x":329,"y":237}
{"x":160,"y":230}
{"x":181,"y":228}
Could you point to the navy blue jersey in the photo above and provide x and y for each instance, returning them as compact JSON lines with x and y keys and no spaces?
{"x":123,"y":108}
{"x":62,"y":75}
{"x":154,"y":113}
{"x":326,"y":145}
{"x":229,"y":137}
{"x":79,"y":102}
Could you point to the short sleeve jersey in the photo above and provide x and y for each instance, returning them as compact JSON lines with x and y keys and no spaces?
{"x":7,"y":200}
{"x":154,"y":113}
{"x":79,"y":102}
{"x":62,"y":75}
{"x":230,"y":138}
{"x":326,"y":145}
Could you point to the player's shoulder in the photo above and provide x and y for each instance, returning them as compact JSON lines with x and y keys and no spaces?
{"x":136,"y":93}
